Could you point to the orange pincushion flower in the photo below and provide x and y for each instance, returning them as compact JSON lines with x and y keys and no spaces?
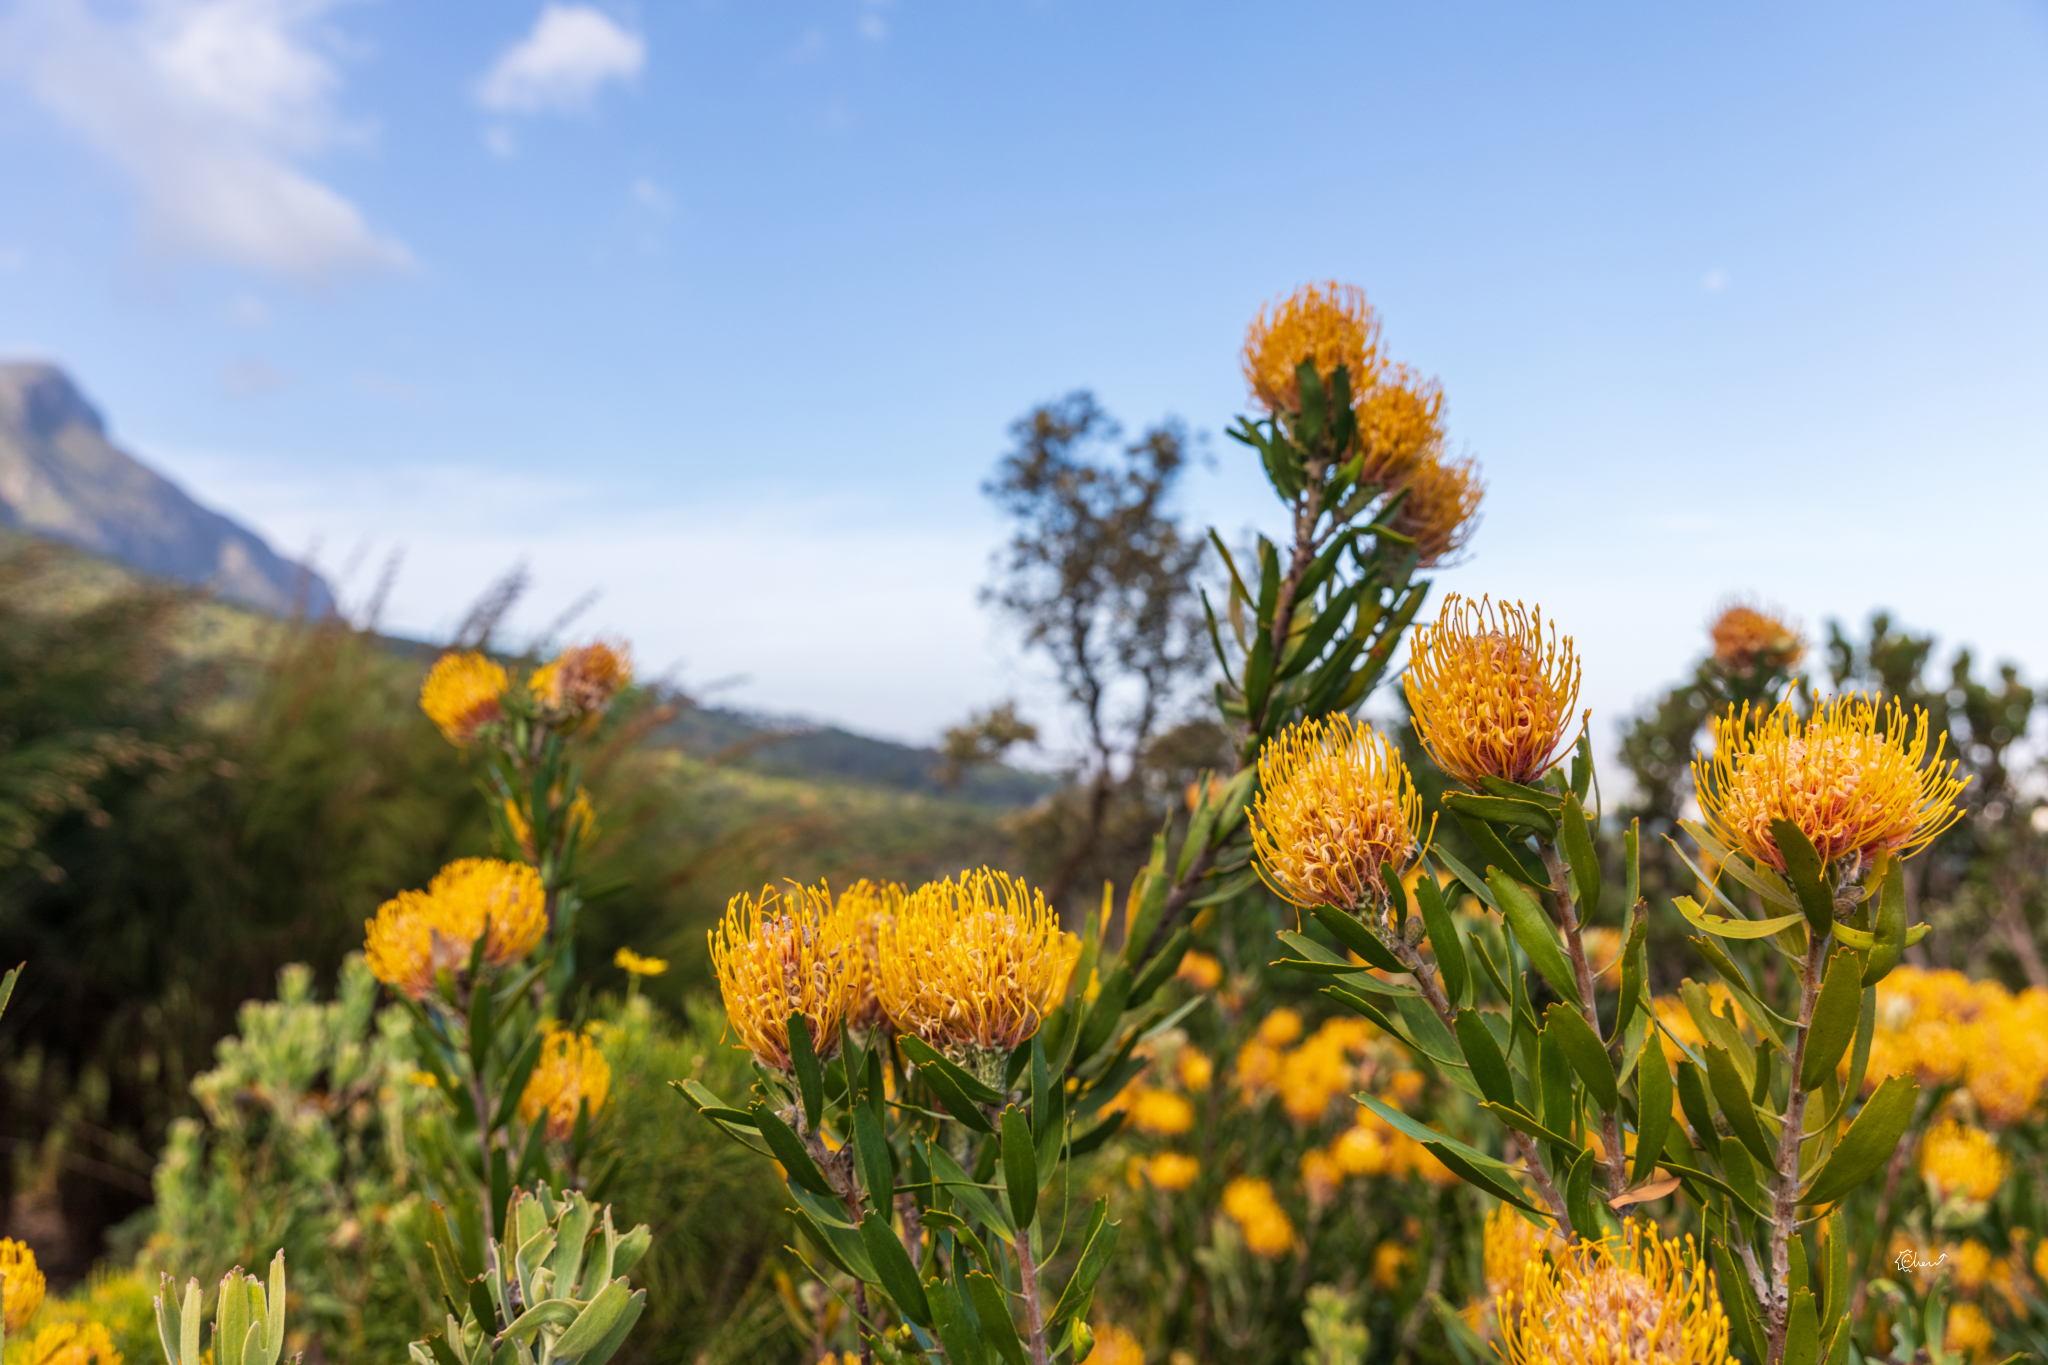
{"x":1492,"y":695}
{"x":1327,"y":325}
{"x":1851,"y":778}
{"x":1335,"y":803}
{"x":1748,"y":639}
{"x":1441,"y":509}
{"x":463,"y":694}
{"x":417,"y":933}
{"x":571,"y":1070}
{"x":864,"y":908}
{"x":777,"y":954}
{"x":21,"y":1284}
{"x":1400,"y":426}
{"x":1650,"y":1299}
{"x":580,"y":682}
{"x":972,"y":965}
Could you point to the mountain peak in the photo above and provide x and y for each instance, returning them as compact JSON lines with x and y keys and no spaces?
{"x":61,"y":477}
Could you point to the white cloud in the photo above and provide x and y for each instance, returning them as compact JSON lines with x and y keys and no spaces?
{"x":571,"y":53}
{"x":1716,"y":282}
{"x":208,"y":107}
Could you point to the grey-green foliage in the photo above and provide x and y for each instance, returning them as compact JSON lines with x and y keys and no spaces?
{"x":302,"y":1147}
{"x":248,"y":1320}
{"x":1336,"y":1337}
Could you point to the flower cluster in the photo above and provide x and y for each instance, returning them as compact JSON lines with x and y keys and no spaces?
{"x":418,"y":934}
{"x":1493,"y":695}
{"x":70,"y":1343}
{"x":1749,"y":640}
{"x":1591,"y":1303}
{"x":1940,"y":1026}
{"x":464,"y":693}
{"x":576,"y":687}
{"x":571,"y":1072}
{"x":1249,"y":1202}
{"x":1850,"y":777}
{"x":1327,"y":325}
{"x":21,"y":1284}
{"x":1958,"y":1159}
{"x":1335,"y":807}
{"x":467,"y":692}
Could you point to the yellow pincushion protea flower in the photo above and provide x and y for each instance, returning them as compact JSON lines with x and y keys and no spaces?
{"x":21,"y":1284}
{"x":1493,"y":695}
{"x":1851,"y":778}
{"x":1652,"y":1300}
{"x":1512,"y":1243}
{"x":1958,"y":1159}
{"x":971,"y":965}
{"x":1441,"y":509}
{"x":1748,"y":639}
{"x":70,"y":1343}
{"x":580,"y":682}
{"x":571,"y":1070}
{"x":1326,"y":324}
{"x":780,"y":953}
{"x":464,"y":693}
{"x":1400,"y":427}
{"x":865,"y":907}
{"x":1335,"y":804}
{"x":417,"y":933}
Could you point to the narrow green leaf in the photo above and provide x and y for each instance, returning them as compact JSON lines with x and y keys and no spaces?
{"x":1582,"y":1047}
{"x":481,"y":1019}
{"x":1101,"y":1019}
{"x":1585,"y":865}
{"x":872,"y":1155}
{"x":1808,"y":875}
{"x":1426,"y":1135}
{"x":1533,"y":931}
{"x":1738,"y":1300}
{"x":992,"y":1306}
{"x":1733,"y":1096}
{"x":1653,"y":1107}
{"x":1355,"y":935}
{"x":1443,"y":938}
{"x":1767,"y":1021}
{"x":1483,"y":1055}
{"x":1727,"y":926}
{"x":898,"y":1277}
{"x":1554,"y":1083}
{"x":1889,"y":928}
{"x":1578,"y":1196}
{"x":516,"y":1079}
{"x":1479,"y":1178}
{"x":789,"y":1150}
{"x":1802,"y":1329}
{"x":1699,"y":1112}
{"x":1872,"y":1137}
{"x":1834,"y":1019}
{"x":1020,"y":1166}
{"x":803,"y":1060}
{"x":955,"y":1330}
{"x":1500,"y":810}
{"x":1499,"y":853}
{"x":1096,"y":1248}
{"x":949,"y":1082}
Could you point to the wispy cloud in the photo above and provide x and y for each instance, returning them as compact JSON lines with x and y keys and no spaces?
{"x":210,"y":108}
{"x":571,"y":54}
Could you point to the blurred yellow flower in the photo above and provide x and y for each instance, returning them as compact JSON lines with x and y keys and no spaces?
{"x":2041,"y":1261}
{"x":1114,"y":1346}
{"x":1327,"y":325}
{"x":1750,"y":640}
{"x":636,"y":965}
{"x":571,"y":1070}
{"x":1956,"y":1159}
{"x":418,"y":933}
{"x":863,"y":908}
{"x":1249,"y":1202}
{"x":580,"y":682}
{"x":462,"y":694}
{"x":1321,"y":1176}
{"x":1201,"y":971}
{"x":1389,"y":1261}
{"x":1511,"y":1244}
{"x":1194,"y":1069}
{"x":1441,"y":509}
{"x":1400,"y":426}
{"x":1172,"y":1170}
{"x":1850,"y":778}
{"x":1162,"y":1113}
{"x":1968,"y":1331}
{"x":1941,"y":1026}
{"x":972,"y":965}
{"x":1280,"y":1028}
{"x":69,"y":1343}
{"x":1258,"y":1065}
{"x":1653,"y":1301}
{"x":1492,"y":694}
{"x":781,"y":953}
{"x":1969,"y":1265}
{"x":581,"y":819}
{"x":1335,"y":804}
{"x":1362,"y":1151}
{"x":1603,"y":948}
{"x":21,"y":1284}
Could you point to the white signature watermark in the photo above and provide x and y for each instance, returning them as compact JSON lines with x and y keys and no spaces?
{"x":1917,"y":1260}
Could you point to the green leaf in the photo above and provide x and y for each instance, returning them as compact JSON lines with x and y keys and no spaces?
{"x":949,"y":1319}
{"x":1578,"y":1196}
{"x":803,"y":1060}
{"x":1733,"y":1096}
{"x":1483,"y":1055}
{"x":1767,"y":1021}
{"x":1834,"y":1019}
{"x":1472,"y":882}
{"x":898,"y":1277}
{"x":481,"y":1020}
{"x":1802,"y":1328}
{"x":1806,"y":872}
{"x":954,"y":1087}
{"x":1889,"y":938}
{"x":1726,"y":926}
{"x":1560,"y":1102}
{"x":1498,"y":852}
{"x":7,"y":985}
{"x":1532,"y":929}
{"x":595,"y":1322}
{"x":1584,"y":1050}
{"x":1477,"y":1177}
{"x":992,"y":1306}
{"x":1102,"y":1016}
{"x":788,"y":1149}
{"x":516,"y":1079}
{"x":1424,"y":1134}
{"x":1443,"y":938}
{"x":1653,"y":1107}
{"x":1501,"y":810}
{"x":1739,"y":1302}
{"x":1358,"y":937}
{"x":1635,"y":972}
{"x":1020,"y":1166}
{"x":1699,"y":1112}
{"x":948,"y":1173}
{"x":1585,"y":864}
{"x":1161,"y":967}
{"x":1096,"y":1249}
{"x":872,"y":1155}
{"x":1872,"y":1137}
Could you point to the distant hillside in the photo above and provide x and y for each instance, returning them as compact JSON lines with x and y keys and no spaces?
{"x":62,"y":478}
{"x":794,"y":748}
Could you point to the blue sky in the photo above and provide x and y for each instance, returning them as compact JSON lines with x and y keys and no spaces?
{"x":723,"y":309}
